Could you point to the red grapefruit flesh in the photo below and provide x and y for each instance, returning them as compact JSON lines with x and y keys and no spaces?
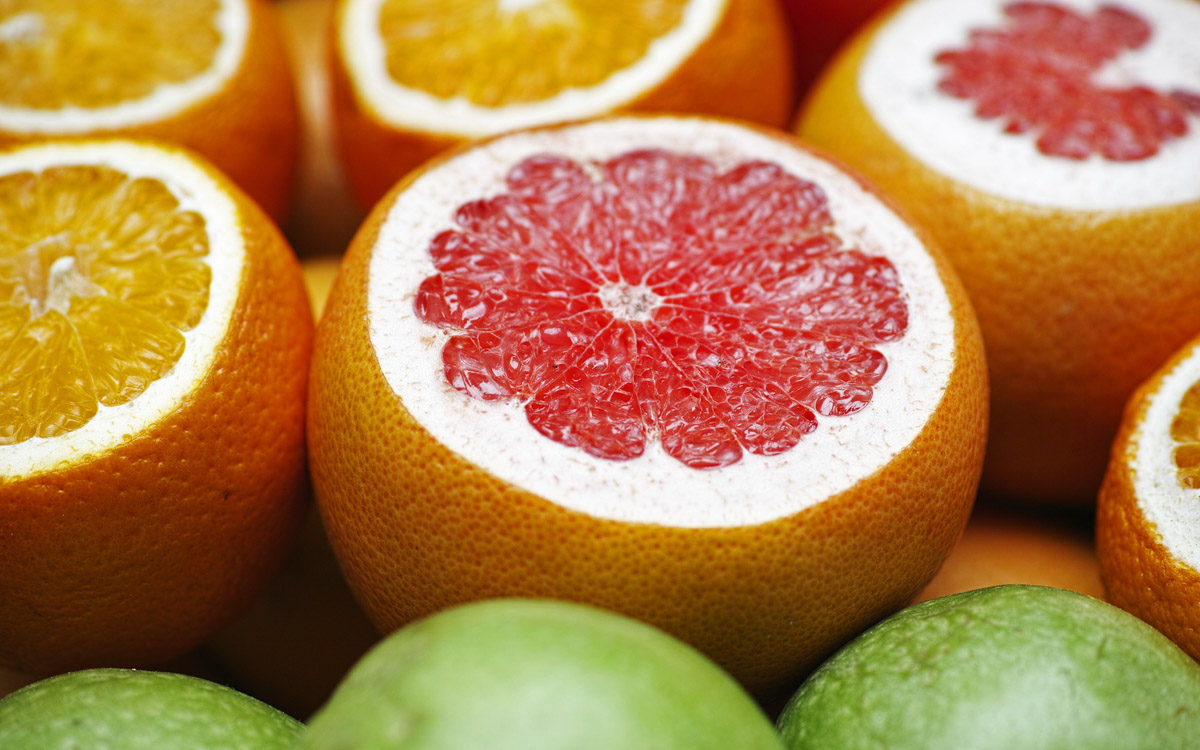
{"x":1039,"y":74}
{"x":654,"y":296}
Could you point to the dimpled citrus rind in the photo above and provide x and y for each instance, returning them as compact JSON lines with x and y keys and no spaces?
{"x":773,"y":599}
{"x":1145,"y":516}
{"x":107,"y":709}
{"x":523,"y":674}
{"x":1008,"y":666}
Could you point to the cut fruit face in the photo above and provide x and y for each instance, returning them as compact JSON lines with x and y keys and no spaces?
{"x":119,"y":267}
{"x":476,"y":67}
{"x":1165,"y":461}
{"x":73,"y":66}
{"x":627,"y":313}
{"x":1075,"y":104}
{"x":655,"y":295}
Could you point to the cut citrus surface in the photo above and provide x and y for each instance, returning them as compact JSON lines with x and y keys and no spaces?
{"x":587,"y":362}
{"x":183,"y":71}
{"x":413,"y":78}
{"x":131,"y":298}
{"x":1148,"y":521}
{"x":1053,"y":148}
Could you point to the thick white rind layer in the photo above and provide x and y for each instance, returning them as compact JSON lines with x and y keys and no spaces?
{"x":655,"y":488}
{"x":898,"y":82}
{"x":1172,"y":509}
{"x":233,"y":23}
{"x":196,"y":191}
{"x":363,"y":52}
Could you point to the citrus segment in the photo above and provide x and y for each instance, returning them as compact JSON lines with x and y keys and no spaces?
{"x":738,"y":305}
{"x":508,"y":51}
{"x":1185,"y":431}
{"x":106,"y":272}
{"x":1040,"y":74}
{"x":154,"y":335}
{"x":89,"y":44}
{"x":666,"y":297}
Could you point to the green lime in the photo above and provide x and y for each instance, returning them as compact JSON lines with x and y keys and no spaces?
{"x":536,"y":675}
{"x":1000,"y":668}
{"x":122,"y":709}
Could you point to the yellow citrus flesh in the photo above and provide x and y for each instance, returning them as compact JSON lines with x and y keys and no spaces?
{"x":496,"y":52}
{"x":1185,"y":432}
{"x":82,"y":53}
{"x":100,"y":276}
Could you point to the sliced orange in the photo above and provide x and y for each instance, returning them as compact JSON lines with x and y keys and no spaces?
{"x":1148,"y":518}
{"x":1053,"y":150}
{"x":674,"y":367}
{"x":412,"y":77}
{"x":208,"y":74}
{"x":153,"y":347}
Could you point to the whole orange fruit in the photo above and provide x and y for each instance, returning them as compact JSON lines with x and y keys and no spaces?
{"x":674,"y":367}
{"x":1054,"y":152}
{"x":155,"y":336}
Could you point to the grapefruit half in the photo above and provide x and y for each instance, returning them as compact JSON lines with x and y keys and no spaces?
{"x":1053,"y":150}
{"x":679,"y":368}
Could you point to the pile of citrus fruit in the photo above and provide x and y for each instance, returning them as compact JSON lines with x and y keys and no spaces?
{"x":601,"y":410}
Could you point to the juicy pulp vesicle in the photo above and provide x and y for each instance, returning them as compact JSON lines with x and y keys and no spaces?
{"x":100,"y":276}
{"x":506,"y":52}
{"x":653,"y":296}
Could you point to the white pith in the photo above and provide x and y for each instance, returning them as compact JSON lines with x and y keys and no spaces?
{"x":655,"y":488}
{"x":362,"y":50}
{"x":898,"y":83}
{"x":233,"y":23}
{"x":196,"y":191}
{"x":1171,"y":509}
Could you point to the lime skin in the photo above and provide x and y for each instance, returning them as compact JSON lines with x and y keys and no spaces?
{"x":514,"y":674}
{"x":1005,"y":667}
{"x":125,"y":709}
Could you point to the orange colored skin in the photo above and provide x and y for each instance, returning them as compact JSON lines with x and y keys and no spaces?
{"x":137,"y":555}
{"x":1076,"y":307}
{"x":248,"y":130}
{"x":324,"y":216}
{"x":418,"y":528}
{"x":1140,"y":574}
{"x":750,"y":41}
{"x":1000,"y":547}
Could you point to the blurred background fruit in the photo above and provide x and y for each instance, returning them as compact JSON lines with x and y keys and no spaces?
{"x":1148,"y":520}
{"x":117,"y":708}
{"x":324,"y":215}
{"x":1064,"y":192}
{"x":765,"y":558}
{"x":526,"y":675}
{"x":151,"y":425}
{"x":211,"y":75}
{"x":1020,"y":546}
{"x":1003,"y":667}
{"x":412,"y":78}
{"x":819,"y":27}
